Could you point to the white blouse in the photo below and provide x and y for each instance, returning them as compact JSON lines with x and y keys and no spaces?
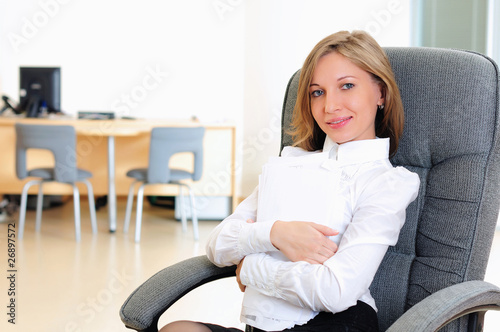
{"x":371,"y":197}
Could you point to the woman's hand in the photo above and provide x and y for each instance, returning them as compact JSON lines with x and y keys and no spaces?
{"x":303,"y":241}
{"x":238,"y":279}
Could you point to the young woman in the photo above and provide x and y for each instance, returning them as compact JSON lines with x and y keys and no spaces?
{"x":303,"y":269}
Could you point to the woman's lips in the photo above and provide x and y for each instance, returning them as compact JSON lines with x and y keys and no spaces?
{"x":339,"y":122}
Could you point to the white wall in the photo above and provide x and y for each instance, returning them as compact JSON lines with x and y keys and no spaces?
{"x":215,"y":59}
{"x":493,"y":34}
{"x":149,"y":58}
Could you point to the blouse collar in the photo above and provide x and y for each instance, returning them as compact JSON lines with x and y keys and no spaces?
{"x":358,"y":151}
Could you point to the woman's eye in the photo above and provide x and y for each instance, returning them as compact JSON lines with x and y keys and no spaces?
{"x":316,"y":93}
{"x":347,"y":86}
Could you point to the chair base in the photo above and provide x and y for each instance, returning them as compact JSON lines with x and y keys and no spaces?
{"x":39,"y":207}
{"x":139,"y":208}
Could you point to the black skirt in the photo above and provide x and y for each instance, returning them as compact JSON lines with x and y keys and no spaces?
{"x":359,"y":318}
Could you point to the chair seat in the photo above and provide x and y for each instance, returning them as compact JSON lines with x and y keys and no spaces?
{"x":141,"y":174}
{"x":60,"y":140}
{"x":48,"y":174}
{"x":164,"y":143}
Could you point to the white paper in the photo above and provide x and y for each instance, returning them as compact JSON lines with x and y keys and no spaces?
{"x":301,"y":188}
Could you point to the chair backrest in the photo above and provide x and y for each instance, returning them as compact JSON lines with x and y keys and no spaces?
{"x":61,"y":140}
{"x":167,"y":141}
{"x":451,"y":140}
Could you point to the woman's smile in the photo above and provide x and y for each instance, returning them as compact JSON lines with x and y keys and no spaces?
{"x":339,"y":122}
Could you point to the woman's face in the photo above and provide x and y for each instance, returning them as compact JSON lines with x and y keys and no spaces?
{"x":344,"y":99}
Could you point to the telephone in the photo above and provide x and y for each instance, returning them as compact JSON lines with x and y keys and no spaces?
{"x":33,"y":106}
{"x":8,"y":105}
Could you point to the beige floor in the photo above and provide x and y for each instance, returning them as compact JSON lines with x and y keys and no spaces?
{"x":66,"y":286}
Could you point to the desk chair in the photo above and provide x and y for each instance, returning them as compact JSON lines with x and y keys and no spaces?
{"x":165,"y":142}
{"x":61,"y":141}
{"x":433,"y":276}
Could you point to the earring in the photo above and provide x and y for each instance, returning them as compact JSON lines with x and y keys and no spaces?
{"x":380,"y":107}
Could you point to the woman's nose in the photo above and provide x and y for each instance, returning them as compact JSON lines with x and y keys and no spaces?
{"x":331,"y":103}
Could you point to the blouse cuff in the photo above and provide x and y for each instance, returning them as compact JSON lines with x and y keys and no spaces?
{"x":259,"y":271}
{"x":256,"y":237}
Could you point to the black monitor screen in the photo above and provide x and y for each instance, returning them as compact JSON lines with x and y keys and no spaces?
{"x":40,"y":90}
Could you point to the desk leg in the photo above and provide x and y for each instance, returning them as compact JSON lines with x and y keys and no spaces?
{"x":111,"y":185}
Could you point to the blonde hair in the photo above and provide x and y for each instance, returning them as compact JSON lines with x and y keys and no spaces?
{"x":360,"y":48}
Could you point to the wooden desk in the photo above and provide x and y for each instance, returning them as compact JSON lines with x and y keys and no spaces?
{"x":123,"y":145}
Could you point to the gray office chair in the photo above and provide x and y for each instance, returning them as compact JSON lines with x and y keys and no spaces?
{"x":61,"y":141}
{"x":165,"y":142}
{"x":433,"y":276}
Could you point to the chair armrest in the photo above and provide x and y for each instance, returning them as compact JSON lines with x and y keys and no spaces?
{"x":446,"y":305}
{"x":143,"y":308}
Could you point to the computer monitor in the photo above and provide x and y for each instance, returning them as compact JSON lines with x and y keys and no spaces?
{"x":39,"y":90}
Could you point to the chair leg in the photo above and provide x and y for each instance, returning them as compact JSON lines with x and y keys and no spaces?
{"x":194,"y":216}
{"x":39,"y":206}
{"x":138,"y":220}
{"x":22,"y":208}
{"x":128,"y":210}
{"x":90,"y":194}
{"x":76,"y":205}
{"x":182,"y":208}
